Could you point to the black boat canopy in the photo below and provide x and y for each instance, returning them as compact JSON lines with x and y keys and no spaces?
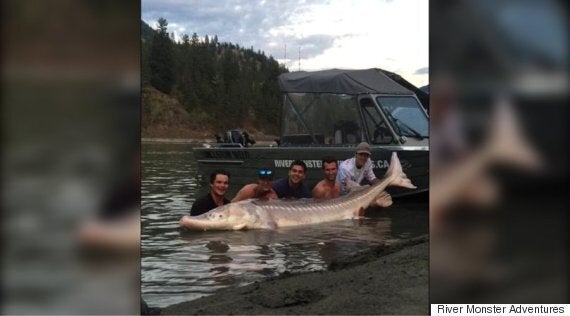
{"x":342,"y":81}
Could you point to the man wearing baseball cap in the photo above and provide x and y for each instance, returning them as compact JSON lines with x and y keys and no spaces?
{"x":354,"y":170}
{"x":260,"y":190}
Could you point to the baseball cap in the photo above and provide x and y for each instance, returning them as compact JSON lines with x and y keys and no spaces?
{"x":363,"y":147}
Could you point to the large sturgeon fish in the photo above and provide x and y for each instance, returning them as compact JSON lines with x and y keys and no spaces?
{"x":272,"y":214}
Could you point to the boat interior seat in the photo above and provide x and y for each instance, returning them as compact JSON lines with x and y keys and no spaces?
{"x":352,"y":139}
{"x":346,"y":132}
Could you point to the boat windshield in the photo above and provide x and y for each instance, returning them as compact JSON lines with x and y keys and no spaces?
{"x":406,"y":115}
{"x":320,"y":119}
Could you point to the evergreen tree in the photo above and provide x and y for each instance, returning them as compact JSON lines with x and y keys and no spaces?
{"x":185,"y":39}
{"x":195,"y":40}
{"x":228,"y":84}
{"x":184,"y":82}
{"x":145,"y":68}
{"x":161,"y":59}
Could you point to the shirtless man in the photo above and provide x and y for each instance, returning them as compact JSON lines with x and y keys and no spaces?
{"x":328,"y":188}
{"x":260,"y":190}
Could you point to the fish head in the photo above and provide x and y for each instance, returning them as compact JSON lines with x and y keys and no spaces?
{"x":233,"y":216}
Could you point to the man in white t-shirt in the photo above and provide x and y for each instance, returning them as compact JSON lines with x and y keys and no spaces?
{"x":354,"y":170}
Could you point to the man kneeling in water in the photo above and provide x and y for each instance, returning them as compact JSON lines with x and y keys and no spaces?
{"x":354,"y":171}
{"x":260,"y":190}
{"x":328,"y":188}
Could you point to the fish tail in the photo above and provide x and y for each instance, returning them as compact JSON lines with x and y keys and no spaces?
{"x":507,"y":142}
{"x":396,"y":173}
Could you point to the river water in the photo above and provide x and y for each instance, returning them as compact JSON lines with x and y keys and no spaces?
{"x":178,"y":266}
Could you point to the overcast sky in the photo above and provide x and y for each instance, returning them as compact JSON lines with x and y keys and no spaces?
{"x":348,"y":34}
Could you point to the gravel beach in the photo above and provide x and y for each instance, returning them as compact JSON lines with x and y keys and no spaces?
{"x":379,"y":281}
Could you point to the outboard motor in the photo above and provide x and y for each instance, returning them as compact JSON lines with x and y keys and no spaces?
{"x":235,"y":137}
{"x":238,"y":138}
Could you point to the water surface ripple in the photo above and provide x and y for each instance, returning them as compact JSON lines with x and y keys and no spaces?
{"x":179,"y":266}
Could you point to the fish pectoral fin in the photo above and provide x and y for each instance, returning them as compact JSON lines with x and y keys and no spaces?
{"x":239,"y":226}
{"x":269,"y":225}
{"x":384,"y":199}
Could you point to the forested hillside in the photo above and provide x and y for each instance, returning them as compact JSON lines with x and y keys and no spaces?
{"x":199,"y":85}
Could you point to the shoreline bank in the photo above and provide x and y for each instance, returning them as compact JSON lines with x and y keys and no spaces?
{"x":381,"y":280}
{"x":195,"y":141}
{"x":178,"y":140}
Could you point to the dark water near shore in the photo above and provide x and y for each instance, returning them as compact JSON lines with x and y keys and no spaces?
{"x":178,"y":266}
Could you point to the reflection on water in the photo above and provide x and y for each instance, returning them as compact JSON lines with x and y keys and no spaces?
{"x":179,"y":265}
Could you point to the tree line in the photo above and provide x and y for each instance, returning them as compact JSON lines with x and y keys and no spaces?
{"x":232,"y":85}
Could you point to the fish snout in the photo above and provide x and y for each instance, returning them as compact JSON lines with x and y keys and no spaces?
{"x":193,"y":223}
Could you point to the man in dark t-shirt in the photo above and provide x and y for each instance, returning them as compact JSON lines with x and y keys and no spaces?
{"x":219,"y":183}
{"x":293,"y":186}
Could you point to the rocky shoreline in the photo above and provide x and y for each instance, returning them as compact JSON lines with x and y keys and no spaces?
{"x":381,"y":280}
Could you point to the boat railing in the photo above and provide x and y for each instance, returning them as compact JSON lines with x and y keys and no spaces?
{"x":302,"y":139}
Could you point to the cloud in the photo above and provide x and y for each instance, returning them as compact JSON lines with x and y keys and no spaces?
{"x":422,"y":71}
{"x":243,"y":22}
{"x":329,"y":33}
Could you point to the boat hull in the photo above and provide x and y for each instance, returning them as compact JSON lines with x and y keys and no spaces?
{"x":243,"y":163}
